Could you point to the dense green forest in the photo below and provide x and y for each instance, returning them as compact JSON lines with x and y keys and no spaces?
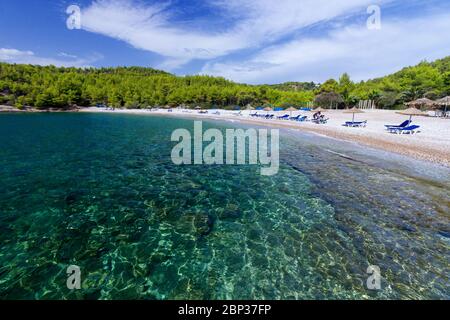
{"x":131,"y":87}
{"x":137,"y":87}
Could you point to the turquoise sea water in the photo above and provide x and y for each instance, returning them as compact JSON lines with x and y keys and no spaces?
{"x":100,"y":191}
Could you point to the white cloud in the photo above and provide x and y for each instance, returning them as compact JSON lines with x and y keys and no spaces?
{"x":153,"y":27}
{"x":148,"y":28}
{"x":354,"y":49}
{"x":28,"y":57}
{"x":67,"y":55}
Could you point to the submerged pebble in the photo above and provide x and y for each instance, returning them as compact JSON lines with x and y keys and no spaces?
{"x":204,"y":224}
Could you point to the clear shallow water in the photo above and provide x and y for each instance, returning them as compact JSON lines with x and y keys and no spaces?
{"x":100,"y":191}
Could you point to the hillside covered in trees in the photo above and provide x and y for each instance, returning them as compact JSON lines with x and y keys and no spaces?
{"x":131,"y":87}
{"x":137,"y":87}
{"x":429,"y":80}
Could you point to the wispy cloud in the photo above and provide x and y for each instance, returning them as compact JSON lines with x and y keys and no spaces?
{"x":67,"y":55}
{"x":29,"y":57}
{"x":362,"y":52}
{"x":253,"y":23}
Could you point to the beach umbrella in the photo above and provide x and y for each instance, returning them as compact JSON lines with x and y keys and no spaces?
{"x":423,"y":102}
{"x":249,"y":107}
{"x":197,"y":108}
{"x":353,"y":111}
{"x":291,"y":109}
{"x":444,"y":102}
{"x":412,"y":112}
{"x":319,"y":109}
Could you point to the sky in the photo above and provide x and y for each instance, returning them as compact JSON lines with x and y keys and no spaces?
{"x":247,"y":41}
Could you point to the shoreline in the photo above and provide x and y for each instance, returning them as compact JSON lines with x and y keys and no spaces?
{"x":432,"y":144}
{"x":406,"y":145}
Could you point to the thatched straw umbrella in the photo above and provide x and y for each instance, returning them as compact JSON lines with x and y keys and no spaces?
{"x":444,"y":102}
{"x":353,"y":111}
{"x":412,"y":112}
{"x":423,"y":102}
{"x":319,"y":109}
{"x":249,"y":107}
{"x":291,"y":109}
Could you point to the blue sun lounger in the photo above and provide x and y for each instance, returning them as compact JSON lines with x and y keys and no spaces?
{"x":403,"y":125}
{"x":302,"y":119}
{"x":295,"y":118}
{"x":285,"y":117}
{"x":355,"y":124}
{"x":320,"y":121}
{"x":407,"y":130}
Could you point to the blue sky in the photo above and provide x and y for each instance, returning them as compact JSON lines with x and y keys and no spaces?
{"x":251,"y":41}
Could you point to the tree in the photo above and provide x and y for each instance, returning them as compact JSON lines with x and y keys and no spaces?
{"x":345,"y":89}
{"x":329,"y":100}
{"x":330,"y":85}
{"x":388,"y":99}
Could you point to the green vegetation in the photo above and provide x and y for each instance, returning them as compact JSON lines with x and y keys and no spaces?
{"x":47,"y":87}
{"x":136,"y":87}
{"x":295,"y":86}
{"x":430,"y":80}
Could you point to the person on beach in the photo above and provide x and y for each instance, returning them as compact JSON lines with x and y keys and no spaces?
{"x":317,"y":115}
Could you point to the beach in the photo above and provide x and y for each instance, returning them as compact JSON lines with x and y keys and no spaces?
{"x":431,"y":144}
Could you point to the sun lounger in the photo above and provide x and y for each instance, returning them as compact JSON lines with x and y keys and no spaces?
{"x":285,"y":117}
{"x":403,"y":125}
{"x":320,"y":121}
{"x":295,"y":118}
{"x":355,"y":124}
{"x":407,"y":130}
{"x":302,"y":119}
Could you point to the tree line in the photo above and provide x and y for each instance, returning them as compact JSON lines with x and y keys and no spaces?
{"x":130,"y":87}
{"x":138,"y":87}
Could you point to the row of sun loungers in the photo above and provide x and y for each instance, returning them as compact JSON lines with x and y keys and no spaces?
{"x":298,"y":118}
{"x":403,"y":128}
{"x":264,"y":116}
